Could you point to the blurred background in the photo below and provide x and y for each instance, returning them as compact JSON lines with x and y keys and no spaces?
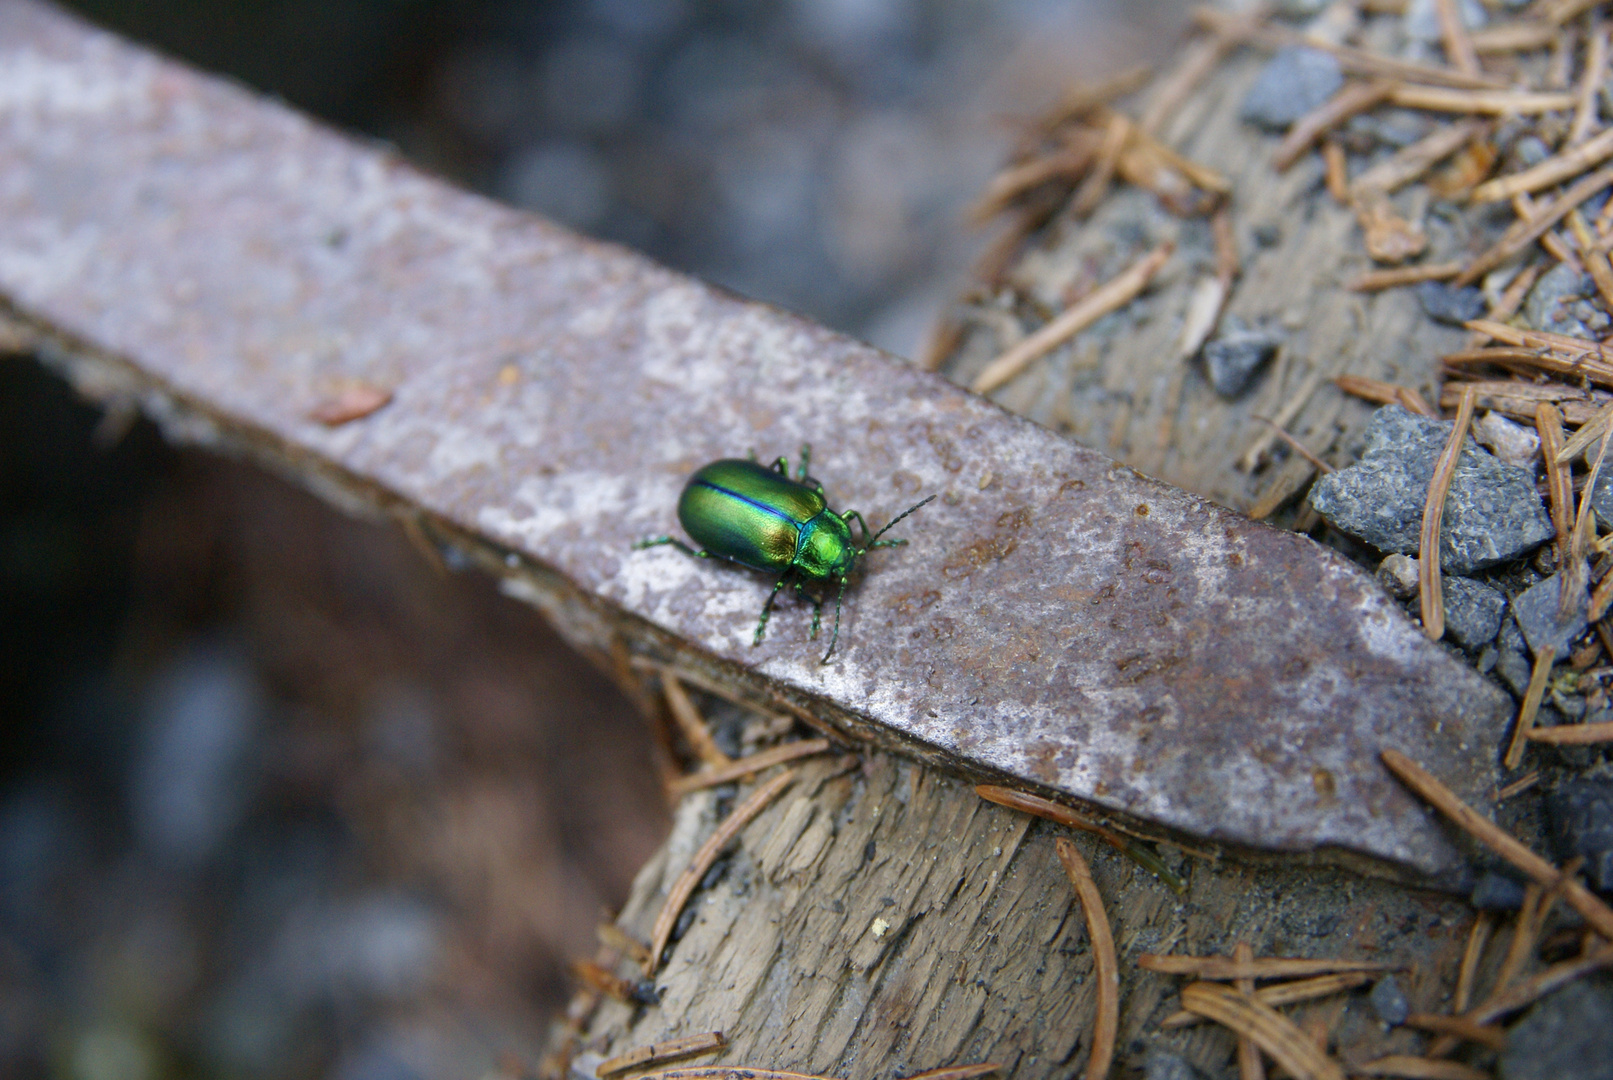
{"x":278,"y":798}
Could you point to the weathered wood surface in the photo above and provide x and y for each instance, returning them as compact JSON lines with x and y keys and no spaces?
{"x":1123,"y":387}
{"x":885,"y":920}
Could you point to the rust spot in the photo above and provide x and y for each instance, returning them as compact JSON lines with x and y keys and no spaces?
{"x":1322,"y":780}
{"x":1070,"y":485}
{"x":988,"y":549}
{"x":1014,"y":520}
{"x":1142,"y":510}
{"x":351,"y":403}
{"x":1234,"y":558}
{"x":1140,"y":666}
{"x":910,"y":603}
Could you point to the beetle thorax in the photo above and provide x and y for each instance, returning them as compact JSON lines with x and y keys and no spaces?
{"x":825,"y":549}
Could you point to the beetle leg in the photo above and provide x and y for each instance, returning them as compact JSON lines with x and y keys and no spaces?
{"x":833,"y":641}
{"x":782,"y":465}
{"x":657,"y":541}
{"x":806,"y":459}
{"x":767,"y":609}
{"x":848,"y":515}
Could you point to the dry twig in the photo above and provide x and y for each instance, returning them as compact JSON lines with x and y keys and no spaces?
{"x":1524,"y":233}
{"x":1378,"y":280}
{"x":1581,"y":899}
{"x":1250,"y":1067}
{"x":1109,"y":297}
{"x":1352,"y":99}
{"x":1411,"y":162}
{"x":1472,"y":953}
{"x":1563,"y":166}
{"x":1590,"y":83}
{"x":685,"y":885}
{"x":1271,"y":1031}
{"x":1418,"y":1068}
{"x":1384,"y":393}
{"x":1487,"y":102}
{"x":958,"y":1072}
{"x":1464,"y":1029}
{"x":1105,"y":967}
{"x":1573,"y":734}
{"x":1220,"y":968}
{"x":1453,"y":34}
{"x":1287,"y":993}
{"x":692,"y":724}
{"x":655,"y":1053}
{"x":751,"y":764}
{"x":1431,"y":596}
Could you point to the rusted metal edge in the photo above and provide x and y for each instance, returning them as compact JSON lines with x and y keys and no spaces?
{"x":1058,"y":619}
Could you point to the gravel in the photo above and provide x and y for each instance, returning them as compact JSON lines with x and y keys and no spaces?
{"x":1232,"y":359}
{"x":1580,"y":813}
{"x":1472,"y":611}
{"x":1389,"y":1002}
{"x":1296,"y":80}
{"x":1536,"y":609}
{"x":1492,"y":513}
{"x":1567,"y":1036}
{"x":1450,"y":305}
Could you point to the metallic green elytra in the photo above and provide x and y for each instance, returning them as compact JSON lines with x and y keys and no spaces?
{"x":758,"y":516}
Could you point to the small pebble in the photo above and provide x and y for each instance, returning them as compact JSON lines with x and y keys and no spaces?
{"x":1559,"y":304}
{"x":1296,"y":80}
{"x":1492,"y":514}
{"x":1530,"y":150}
{"x":1602,"y":494}
{"x":1450,"y":305}
{"x":1472,"y":611}
{"x":1580,"y":813}
{"x":1389,"y":1002}
{"x":1536,"y":609}
{"x":1161,"y":1064}
{"x":1566,"y":1036}
{"x":1513,"y":443}
{"x":1421,"y":20}
{"x":1232,"y":358}
{"x":1497,"y":892}
{"x":1398,"y":575}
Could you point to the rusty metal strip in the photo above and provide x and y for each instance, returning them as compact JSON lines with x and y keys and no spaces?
{"x":1058,"y":618}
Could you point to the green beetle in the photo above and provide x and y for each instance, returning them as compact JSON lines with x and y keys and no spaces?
{"x":757,"y":516}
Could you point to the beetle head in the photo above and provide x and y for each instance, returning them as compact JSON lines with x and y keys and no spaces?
{"x":826,"y":552}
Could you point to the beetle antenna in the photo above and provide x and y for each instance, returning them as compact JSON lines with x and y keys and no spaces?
{"x":833,"y":640}
{"x":894,"y":520}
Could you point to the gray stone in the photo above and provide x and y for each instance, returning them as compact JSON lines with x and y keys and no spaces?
{"x":1566,"y":1036}
{"x":1472,"y":611}
{"x":1450,"y":305}
{"x":1492,"y":512}
{"x":1233,"y":357}
{"x":1602,"y":493}
{"x":1536,"y":609}
{"x":1559,"y":303}
{"x":1508,"y":440}
{"x":1398,"y":575}
{"x":1296,"y":80}
{"x":1161,"y":1064}
{"x":1422,"y":19}
{"x":1580,"y":813}
{"x":1497,"y":892}
{"x":1389,"y":1002}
